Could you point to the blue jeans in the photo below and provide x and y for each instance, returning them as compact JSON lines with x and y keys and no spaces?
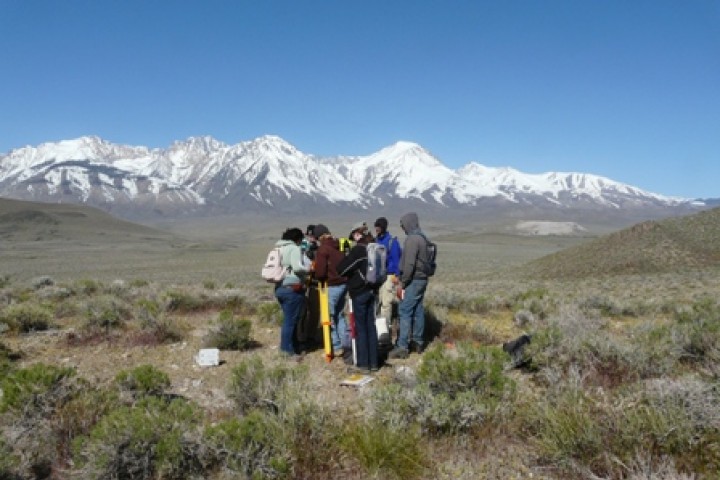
{"x":366,"y":341}
{"x":412,"y":314}
{"x":339,"y":333}
{"x":291,"y":303}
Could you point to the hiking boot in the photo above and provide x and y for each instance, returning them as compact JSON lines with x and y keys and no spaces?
{"x":398,"y":352}
{"x":347,"y":356}
{"x":416,"y":348}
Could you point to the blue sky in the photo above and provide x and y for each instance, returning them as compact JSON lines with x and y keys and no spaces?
{"x":625,"y":89}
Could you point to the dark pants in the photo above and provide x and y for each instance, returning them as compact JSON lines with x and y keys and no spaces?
{"x":291,"y":303}
{"x":309,"y":331}
{"x":366,"y":341}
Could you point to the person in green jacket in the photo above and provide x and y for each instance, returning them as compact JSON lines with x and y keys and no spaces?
{"x":290,"y":292}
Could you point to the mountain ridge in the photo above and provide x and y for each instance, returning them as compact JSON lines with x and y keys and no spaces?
{"x":202,"y":174}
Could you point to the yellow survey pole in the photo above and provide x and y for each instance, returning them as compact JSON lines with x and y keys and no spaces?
{"x":325,"y":320}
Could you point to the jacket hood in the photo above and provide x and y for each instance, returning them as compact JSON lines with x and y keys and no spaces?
{"x":331,"y":242}
{"x":410,"y":222}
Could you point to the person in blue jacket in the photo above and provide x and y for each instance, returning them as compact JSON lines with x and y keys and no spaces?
{"x":387,"y":293}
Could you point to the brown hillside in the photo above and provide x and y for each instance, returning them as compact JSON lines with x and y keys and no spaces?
{"x":651,"y":247}
{"x":22,"y":221}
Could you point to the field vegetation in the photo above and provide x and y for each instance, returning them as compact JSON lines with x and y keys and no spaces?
{"x":621,"y":378}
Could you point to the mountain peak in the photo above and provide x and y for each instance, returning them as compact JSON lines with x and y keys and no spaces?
{"x":403,"y":148}
{"x":203,"y":143}
{"x":273,"y":144}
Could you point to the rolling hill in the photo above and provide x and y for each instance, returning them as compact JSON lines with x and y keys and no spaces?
{"x":674,"y":244}
{"x":23,"y":221}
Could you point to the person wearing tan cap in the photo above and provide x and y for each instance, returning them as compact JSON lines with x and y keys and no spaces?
{"x":387,"y":293}
{"x":362,"y":297}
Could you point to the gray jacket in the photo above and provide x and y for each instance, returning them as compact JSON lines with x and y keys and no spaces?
{"x":415,"y":252}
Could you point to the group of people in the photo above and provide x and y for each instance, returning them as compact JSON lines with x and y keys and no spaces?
{"x":318,"y":257}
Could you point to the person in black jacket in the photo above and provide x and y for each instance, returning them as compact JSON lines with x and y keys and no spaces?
{"x":362,"y":296}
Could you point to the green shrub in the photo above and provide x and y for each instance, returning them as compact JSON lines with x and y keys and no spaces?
{"x":479,"y":305}
{"x":79,"y":415}
{"x":254,"y":385}
{"x":304,"y":423}
{"x":185,"y":302}
{"x":34,"y":388}
{"x":385,"y":453}
{"x":143,"y":380}
{"x":7,"y":357}
{"x":5,"y":281}
{"x":8,"y":462}
{"x":601,"y":434}
{"x":270,"y":313}
{"x":395,"y":405}
{"x":575,"y":340}
{"x":655,"y":351}
{"x":469,"y":368}
{"x":230,"y":333}
{"x":678,"y":418}
{"x":538,"y":293}
{"x":107,"y":312}
{"x":42,"y":282}
{"x":252,"y":445}
{"x":157,"y":328}
{"x":233,"y":301}
{"x":32,"y":396}
{"x":603,"y":305}
{"x":458,"y":332}
{"x":536,"y":301}
{"x":54,"y":294}
{"x":566,"y":427}
{"x":697,"y":331}
{"x":447,"y":297}
{"x":68,"y":308}
{"x":27,"y":317}
{"x":457,"y":391}
{"x":152,"y":439}
{"x":147,"y":309}
{"x":209,"y":285}
{"x":139,"y":283}
{"x":88,"y":286}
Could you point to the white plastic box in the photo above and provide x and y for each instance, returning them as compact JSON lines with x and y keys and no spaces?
{"x":208,"y":357}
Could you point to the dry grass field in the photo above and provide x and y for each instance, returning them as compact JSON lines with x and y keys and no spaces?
{"x":100,"y":321}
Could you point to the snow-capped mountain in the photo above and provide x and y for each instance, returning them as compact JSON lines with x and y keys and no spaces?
{"x":202,"y":173}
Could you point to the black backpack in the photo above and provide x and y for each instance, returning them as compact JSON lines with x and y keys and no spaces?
{"x":431,"y":264}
